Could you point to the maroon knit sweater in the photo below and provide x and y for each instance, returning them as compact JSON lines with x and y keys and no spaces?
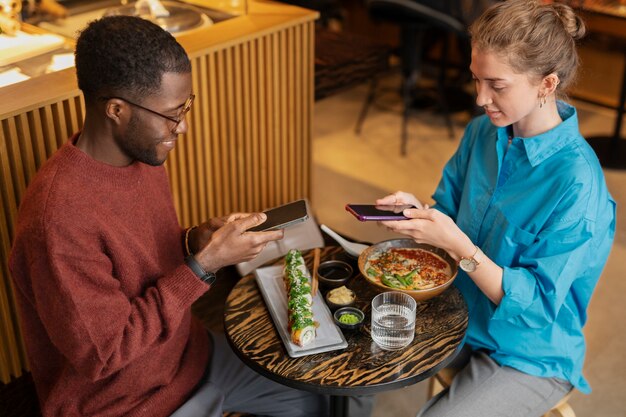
{"x":103,"y":291}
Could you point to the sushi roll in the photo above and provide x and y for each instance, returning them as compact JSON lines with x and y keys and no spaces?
{"x":299,"y":299}
{"x":303,"y":335}
{"x":301,"y":291}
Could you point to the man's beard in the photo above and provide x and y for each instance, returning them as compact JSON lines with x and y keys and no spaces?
{"x":132,"y":145}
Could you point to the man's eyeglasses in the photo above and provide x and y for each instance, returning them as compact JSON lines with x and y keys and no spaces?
{"x":179,"y":118}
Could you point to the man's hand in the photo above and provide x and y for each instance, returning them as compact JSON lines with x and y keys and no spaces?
{"x":230,"y":243}
{"x":199,"y":237}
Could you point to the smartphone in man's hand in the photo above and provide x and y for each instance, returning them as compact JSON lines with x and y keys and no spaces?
{"x":370,"y":212}
{"x":283,"y":216}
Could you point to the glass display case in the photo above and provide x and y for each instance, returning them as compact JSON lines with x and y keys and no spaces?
{"x":45,"y":45}
{"x":30,"y":52}
{"x":234,"y":7}
{"x":175,"y":16}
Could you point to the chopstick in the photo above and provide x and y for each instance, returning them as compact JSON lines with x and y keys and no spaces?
{"x":316,"y":263}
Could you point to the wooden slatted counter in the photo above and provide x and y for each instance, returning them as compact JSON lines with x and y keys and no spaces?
{"x":248,"y":146}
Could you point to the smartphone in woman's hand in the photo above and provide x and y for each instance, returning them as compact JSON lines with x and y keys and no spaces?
{"x":371,"y":212}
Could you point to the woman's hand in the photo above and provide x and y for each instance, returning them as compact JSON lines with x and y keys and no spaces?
{"x":400,"y":198}
{"x":434,"y":228}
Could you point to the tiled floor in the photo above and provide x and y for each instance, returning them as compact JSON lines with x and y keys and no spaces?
{"x":363,"y":168}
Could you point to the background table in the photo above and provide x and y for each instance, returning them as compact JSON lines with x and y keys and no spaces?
{"x":606,"y":25}
{"x":362,"y":368}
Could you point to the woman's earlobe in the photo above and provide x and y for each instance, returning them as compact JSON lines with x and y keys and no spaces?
{"x":550,"y":83}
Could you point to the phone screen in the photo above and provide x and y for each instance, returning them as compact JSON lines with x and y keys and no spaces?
{"x":370,"y":212}
{"x":283,"y":216}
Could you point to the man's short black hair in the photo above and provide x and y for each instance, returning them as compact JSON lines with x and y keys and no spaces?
{"x":126,"y":55}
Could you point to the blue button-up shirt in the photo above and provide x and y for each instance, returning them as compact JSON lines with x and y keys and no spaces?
{"x":540,"y":209}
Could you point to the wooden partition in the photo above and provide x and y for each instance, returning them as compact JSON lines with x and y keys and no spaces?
{"x":248,"y":146}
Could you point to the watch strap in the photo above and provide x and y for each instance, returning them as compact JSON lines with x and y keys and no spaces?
{"x":196,"y":268}
{"x":475,"y":257}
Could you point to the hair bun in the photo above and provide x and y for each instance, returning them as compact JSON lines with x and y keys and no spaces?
{"x":572,"y":23}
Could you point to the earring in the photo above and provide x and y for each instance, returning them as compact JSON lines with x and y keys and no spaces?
{"x":542,"y":100}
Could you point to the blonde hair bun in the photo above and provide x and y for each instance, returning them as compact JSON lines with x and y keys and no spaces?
{"x":572,"y":23}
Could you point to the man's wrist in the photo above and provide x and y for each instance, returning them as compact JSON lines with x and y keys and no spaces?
{"x":207,"y":277}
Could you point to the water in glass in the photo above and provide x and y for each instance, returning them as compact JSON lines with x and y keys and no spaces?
{"x":393,"y":320}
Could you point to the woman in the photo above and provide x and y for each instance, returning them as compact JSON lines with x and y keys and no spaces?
{"x":523,"y":207}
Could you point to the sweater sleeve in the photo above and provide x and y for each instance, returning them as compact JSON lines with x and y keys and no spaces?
{"x":95,"y":320}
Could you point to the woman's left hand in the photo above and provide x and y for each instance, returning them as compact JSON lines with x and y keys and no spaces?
{"x":432,"y":227}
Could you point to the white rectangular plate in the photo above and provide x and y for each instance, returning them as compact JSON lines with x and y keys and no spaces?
{"x":328,"y":336}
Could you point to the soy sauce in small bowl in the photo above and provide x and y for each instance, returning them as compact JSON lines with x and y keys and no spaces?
{"x":333,"y":274}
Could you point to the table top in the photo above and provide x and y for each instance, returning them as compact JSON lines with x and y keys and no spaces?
{"x":361,"y":368}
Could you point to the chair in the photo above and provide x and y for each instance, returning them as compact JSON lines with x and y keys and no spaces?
{"x":416,"y":19}
{"x":343,"y":60}
{"x":443,"y":379}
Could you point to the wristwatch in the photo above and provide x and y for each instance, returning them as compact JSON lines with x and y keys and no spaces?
{"x":470,"y":264}
{"x":207,"y":277}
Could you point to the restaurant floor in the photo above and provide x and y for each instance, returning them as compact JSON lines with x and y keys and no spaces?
{"x":358,"y":169}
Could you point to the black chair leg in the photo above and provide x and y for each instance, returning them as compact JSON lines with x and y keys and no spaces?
{"x":616,"y":138}
{"x":408,"y":86}
{"x":368,"y":102}
{"x":441,"y":86}
{"x":405,"y":132}
{"x":412,"y":40}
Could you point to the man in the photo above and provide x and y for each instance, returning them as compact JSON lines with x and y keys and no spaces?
{"x":103,"y":273}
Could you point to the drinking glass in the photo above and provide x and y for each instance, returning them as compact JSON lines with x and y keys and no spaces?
{"x":393,"y":320}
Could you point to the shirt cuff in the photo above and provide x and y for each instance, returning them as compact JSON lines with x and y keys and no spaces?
{"x":519,"y":289}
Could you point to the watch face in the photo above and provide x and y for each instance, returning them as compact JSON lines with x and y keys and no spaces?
{"x":467,"y":265}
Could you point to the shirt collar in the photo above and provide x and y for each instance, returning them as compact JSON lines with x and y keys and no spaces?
{"x":541,"y":147}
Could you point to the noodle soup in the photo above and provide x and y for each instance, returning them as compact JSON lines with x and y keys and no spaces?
{"x":407,"y":269}
{"x":421,"y":270}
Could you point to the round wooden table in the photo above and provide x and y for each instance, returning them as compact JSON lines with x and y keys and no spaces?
{"x":360,"y":369}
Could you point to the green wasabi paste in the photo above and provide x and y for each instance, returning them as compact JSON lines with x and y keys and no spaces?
{"x":349,"y":318}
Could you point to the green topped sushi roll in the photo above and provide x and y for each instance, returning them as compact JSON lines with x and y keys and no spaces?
{"x":299,"y":299}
